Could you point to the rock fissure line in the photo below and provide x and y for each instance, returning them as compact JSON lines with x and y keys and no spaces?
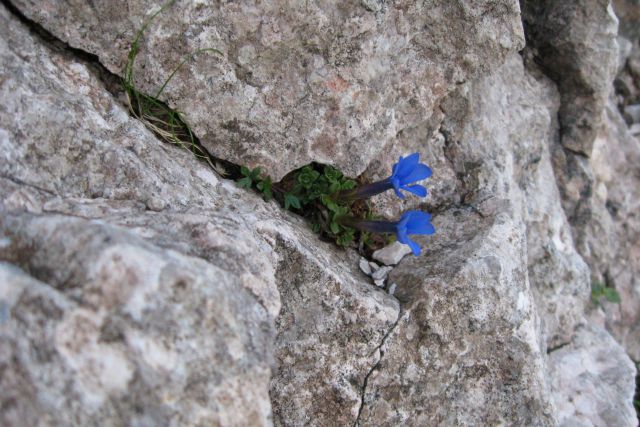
{"x":112,"y":82}
{"x":54,"y":43}
{"x":18,"y":181}
{"x":375,"y":366}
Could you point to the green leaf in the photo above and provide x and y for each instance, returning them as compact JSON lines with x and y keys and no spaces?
{"x":329,"y":203}
{"x":611,"y":295}
{"x":245,"y":182}
{"x":335,"y":228}
{"x":291,"y":201}
{"x":316,"y":227}
{"x":348,"y":184}
{"x":346,"y":238}
{"x":255,"y":173}
{"x":307,"y":176}
{"x":245,"y":171}
{"x":334,"y":187}
{"x":332,"y":174}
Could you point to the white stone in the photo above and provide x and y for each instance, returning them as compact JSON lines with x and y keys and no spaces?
{"x":392,"y":254}
{"x":381,"y":273}
{"x":364,"y":266}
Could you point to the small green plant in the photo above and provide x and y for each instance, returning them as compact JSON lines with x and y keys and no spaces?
{"x":311,"y":191}
{"x":167,"y":123}
{"x":599,"y":290}
{"x":336,"y":205}
{"x":256,"y":180}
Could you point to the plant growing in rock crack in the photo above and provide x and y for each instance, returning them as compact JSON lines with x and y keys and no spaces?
{"x":337,"y":206}
{"x":600,"y":290}
{"x":167,"y":123}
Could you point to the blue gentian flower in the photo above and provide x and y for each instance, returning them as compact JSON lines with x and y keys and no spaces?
{"x":411,"y":222}
{"x":407,"y":171}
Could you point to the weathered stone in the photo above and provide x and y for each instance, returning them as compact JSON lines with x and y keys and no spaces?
{"x":165,"y":316}
{"x":364,"y":266}
{"x":392,"y":254}
{"x":336,"y":82}
{"x":576,"y":43}
{"x":381,"y":273}
{"x":138,"y":287}
{"x":632,"y":113}
{"x":330,"y":330}
{"x":610,"y":239}
{"x":628,"y":12}
{"x":439,"y":364}
{"x":587,"y":378}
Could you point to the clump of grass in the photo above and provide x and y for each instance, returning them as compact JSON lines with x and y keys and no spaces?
{"x":167,"y":123}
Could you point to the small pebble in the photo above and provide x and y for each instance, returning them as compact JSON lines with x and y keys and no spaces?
{"x":374,"y":266}
{"x":635,"y":129}
{"x":365,"y":267}
{"x":156,"y":204}
{"x":381,"y":273}
{"x":379,"y":283}
{"x":392,"y":288}
{"x":392,"y":254}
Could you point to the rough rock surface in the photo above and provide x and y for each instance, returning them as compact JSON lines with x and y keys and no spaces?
{"x":580,"y":56}
{"x":335,"y":82}
{"x":137,"y":287}
{"x":586,"y":378}
{"x":130,"y":295}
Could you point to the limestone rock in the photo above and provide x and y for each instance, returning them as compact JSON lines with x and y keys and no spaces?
{"x":610,"y":239}
{"x":392,"y":254}
{"x":114,"y":311}
{"x":139,"y":287}
{"x":576,"y":43}
{"x":335,"y":82}
{"x":587,"y":378}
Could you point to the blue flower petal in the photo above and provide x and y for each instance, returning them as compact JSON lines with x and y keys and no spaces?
{"x":420,"y":172}
{"x":422,"y":228}
{"x":418,"y":190}
{"x":407,"y":165}
{"x":404,"y":219}
{"x":415,"y":248}
{"x":401,"y":235}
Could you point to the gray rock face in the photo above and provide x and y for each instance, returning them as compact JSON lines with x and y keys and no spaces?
{"x":154,"y":315}
{"x":610,"y":240}
{"x":334,"y":82}
{"x":138,"y":287}
{"x":576,"y":43}
{"x":589,"y":374}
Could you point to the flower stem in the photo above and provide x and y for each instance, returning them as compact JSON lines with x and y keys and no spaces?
{"x":368,"y":225}
{"x":364,"y":191}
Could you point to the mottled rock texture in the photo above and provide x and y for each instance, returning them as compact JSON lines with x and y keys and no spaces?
{"x":335,"y":82}
{"x":138,"y":287}
{"x":586,"y":376}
